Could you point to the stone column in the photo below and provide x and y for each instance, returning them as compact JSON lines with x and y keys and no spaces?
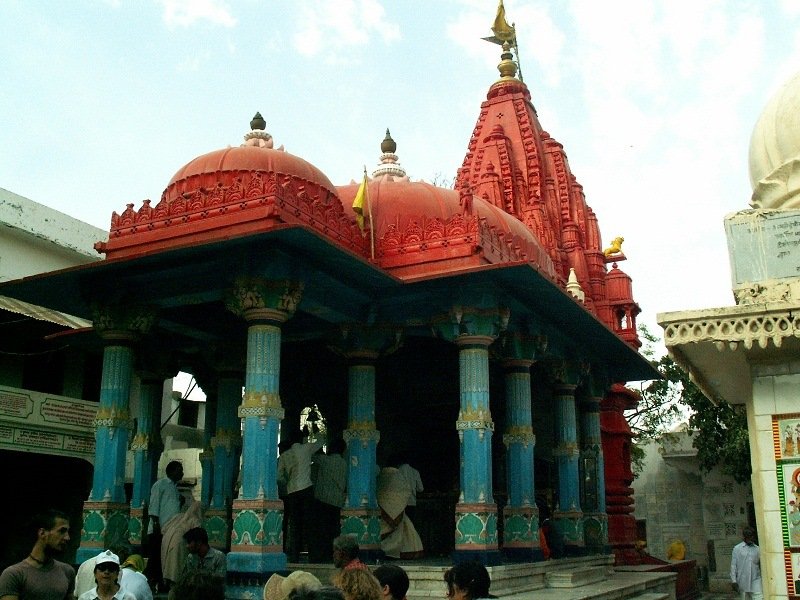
{"x":362,"y":345}
{"x":593,"y":494}
{"x":567,"y":516}
{"x":106,"y":512}
{"x":616,"y":436}
{"x":207,"y":455}
{"x":473,"y":330}
{"x":227,"y":448}
{"x":360,"y":515}
{"x":521,"y":515}
{"x":146,"y":447}
{"x":256,"y":536}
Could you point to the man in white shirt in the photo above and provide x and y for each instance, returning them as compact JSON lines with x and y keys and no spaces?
{"x":746,"y":567}
{"x":294,"y":467}
{"x":164,"y":505}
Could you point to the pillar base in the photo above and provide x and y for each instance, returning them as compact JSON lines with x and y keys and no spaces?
{"x":104,"y":524}
{"x":568,"y":525}
{"x":476,"y":529}
{"x":365,"y":525}
{"x":247,"y":586}
{"x":215,"y":522}
{"x":595,"y":532}
{"x":520,"y":528}
{"x":136,"y":527}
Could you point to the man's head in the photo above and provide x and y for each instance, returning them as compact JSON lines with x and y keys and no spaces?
{"x":337,"y":446}
{"x":175,"y":471}
{"x":196,"y":539}
{"x":345,"y":549}
{"x":52,"y":531}
{"x":749,"y":536}
{"x":393,"y":580}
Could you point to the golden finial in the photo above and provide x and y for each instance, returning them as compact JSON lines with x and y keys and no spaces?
{"x":505,"y":35}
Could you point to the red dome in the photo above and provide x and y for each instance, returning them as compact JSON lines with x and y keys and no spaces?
{"x":397,"y":202}
{"x":243,"y":158}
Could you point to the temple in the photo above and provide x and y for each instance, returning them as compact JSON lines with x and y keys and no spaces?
{"x":479,"y":330}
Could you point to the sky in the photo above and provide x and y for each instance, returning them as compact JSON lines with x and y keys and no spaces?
{"x":102,"y":101}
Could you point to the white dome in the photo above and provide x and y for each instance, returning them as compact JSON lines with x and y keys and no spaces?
{"x":775,"y":150}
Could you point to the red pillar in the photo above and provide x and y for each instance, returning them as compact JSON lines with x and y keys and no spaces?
{"x":616,"y":437}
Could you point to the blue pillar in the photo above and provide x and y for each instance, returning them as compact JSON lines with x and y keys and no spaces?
{"x":476,"y":512}
{"x":521,"y":516}
{"x":567,"y":516}
{"x":146,"y":446}
{"x":106,"y":512}
{"x":226,"y":445}
{"x":595,"y":519}
{"x":360,"y":515}
{"x":257,"y":514}
{"x":207,"y":455}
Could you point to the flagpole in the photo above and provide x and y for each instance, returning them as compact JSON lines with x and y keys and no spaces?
{"x":369,"y":213}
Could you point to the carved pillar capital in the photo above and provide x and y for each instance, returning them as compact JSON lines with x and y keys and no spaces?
{"x":365,"y":343}
{"x":260,"y":299}
{"x":122,"y":323}
{"x":472,"y":322}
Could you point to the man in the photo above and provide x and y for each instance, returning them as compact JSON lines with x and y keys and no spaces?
{"x":40,"y":576}
{"x":399,"y":537}
{"x":203,"y":557}
{"x":345,"y":553}
{"x":330,"y":488}
{"x":164,"y":506}
{"x":746,"y":567}
{"x":294,"y":467}
{"x":393,"y":580}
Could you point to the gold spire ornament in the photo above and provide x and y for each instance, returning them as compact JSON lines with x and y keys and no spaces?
{"x":505,"y":35}
{"x":501,"y":29}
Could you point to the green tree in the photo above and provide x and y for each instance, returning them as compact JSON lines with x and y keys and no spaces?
{"x":720,"y":429}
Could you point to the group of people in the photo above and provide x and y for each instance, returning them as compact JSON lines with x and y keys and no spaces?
{"x":314,"y":482}
{"x":355,"y":581}
{"x":113,"y":574}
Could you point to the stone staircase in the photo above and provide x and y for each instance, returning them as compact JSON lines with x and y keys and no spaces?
{"x":583,"y":578}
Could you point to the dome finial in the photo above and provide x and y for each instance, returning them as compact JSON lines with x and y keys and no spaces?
{"x":258,"y":122}
{"x":388,"y":144}
{"x":389,"y":166}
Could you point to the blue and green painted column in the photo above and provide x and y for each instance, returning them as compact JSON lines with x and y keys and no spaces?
{"x":257,"y":514}
{"x":521,"y":515}
{"x":567,"y":516}
{"x":106,"y":512}
{"x":593,"y":492}
{"x":207,"y":454}
{"x":473,"y":330}
{"x":146,"y":447}
{"x":226,"y":445}
{"x":360,"y":516}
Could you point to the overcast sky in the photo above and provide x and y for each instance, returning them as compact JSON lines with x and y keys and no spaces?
{"x":654,"y":101}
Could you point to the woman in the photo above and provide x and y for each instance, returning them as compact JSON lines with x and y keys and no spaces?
{"x":359,"y":584}
{"x":467,"y":581}
{"x":173,"y":548}
{"x":132,"y":580}
{"x":106,"y":572}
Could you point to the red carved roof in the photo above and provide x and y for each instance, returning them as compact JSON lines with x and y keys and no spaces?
{"x":424,"y":229}
{"x":230,"y":192}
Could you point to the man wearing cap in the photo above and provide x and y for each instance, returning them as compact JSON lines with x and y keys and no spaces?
{"x":40,"y":576}
{"x":201,"y":556}
{"x":106,"y":575}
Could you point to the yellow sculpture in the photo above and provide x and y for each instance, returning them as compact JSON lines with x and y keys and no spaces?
{"x":615,"y":247}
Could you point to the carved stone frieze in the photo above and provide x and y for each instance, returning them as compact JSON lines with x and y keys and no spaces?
{"x":275,"y":299}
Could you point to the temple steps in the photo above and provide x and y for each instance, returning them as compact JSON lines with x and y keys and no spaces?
{"x":585,"y":578}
